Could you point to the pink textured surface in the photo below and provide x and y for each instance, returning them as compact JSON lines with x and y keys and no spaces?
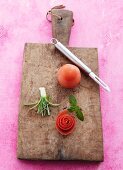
{"x":98,"y":23}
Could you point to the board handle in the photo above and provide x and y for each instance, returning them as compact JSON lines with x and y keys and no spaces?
{"x":62,"y":21}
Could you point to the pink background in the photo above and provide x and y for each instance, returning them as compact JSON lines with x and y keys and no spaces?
{"x":98,"y":23}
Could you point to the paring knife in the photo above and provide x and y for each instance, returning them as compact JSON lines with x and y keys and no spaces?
{"x":79,"y":63}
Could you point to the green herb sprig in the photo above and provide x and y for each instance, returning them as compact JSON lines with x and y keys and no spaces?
{"x":75,"y":108}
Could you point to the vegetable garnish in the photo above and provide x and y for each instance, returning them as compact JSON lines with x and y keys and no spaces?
{"x":43,"y":104}
{"x":65,"y":122}
{"x":75,"y":108}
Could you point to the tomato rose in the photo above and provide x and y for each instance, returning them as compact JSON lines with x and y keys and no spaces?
{"x":65,"y":122}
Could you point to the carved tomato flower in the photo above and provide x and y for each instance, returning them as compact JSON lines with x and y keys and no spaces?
{"x":65,"y":122}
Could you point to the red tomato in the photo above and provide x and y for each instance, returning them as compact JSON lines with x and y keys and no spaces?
{"x":69,"y":76}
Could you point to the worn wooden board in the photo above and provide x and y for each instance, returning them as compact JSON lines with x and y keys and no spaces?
{"x":37,"y":136}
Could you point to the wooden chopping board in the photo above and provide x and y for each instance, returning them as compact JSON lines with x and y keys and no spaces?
{"x":37,"y":136}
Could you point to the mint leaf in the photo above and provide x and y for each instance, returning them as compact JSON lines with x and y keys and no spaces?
{"x":71,"y":109}
{"x":72,"y":100}
{"x":74,"y":108}
{"x":79,"y":115}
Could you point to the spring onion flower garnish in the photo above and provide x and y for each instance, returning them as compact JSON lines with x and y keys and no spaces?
{"x":43,"y":104}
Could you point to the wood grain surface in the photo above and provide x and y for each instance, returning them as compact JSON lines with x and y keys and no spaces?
{"x":61,"y":28}
{"x":37,"y":136}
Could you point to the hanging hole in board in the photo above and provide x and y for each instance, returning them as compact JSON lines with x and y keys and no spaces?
{"x":60,"y":18}
{"x":48,"y":16}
